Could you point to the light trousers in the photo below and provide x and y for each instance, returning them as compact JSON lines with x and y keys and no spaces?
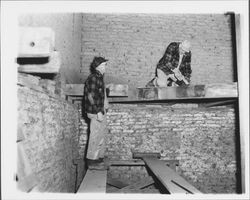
{"x":98,"y":130}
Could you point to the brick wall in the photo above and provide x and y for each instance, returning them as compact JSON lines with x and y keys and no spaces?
{"x":134,"y":43}
{"x":202,"y":139}
{"x":50,"y":126}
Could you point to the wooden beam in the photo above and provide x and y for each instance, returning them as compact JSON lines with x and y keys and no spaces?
{"x":192,"y":91}
{"x":52,"y":66}
{"x":173,"y":182}
{"x":116,"y":183}
{"x":36,"y":41}
{"x":220,"y":103}
{"x":116,"y":90}
{"x":195,"y":92}
{"x":113,"y":90}
{"x":139,"y":162}
{"x":126,"y":163}
{"x":94,"y":182}
{"x":221,"y":90}
{"x":139,"y":155}
{"x":137,"y":185}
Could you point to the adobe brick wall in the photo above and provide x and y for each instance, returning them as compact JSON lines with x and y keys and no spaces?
{"x":134,"y":43}
{"x":51,"y":129}
{"x":202,"y":139}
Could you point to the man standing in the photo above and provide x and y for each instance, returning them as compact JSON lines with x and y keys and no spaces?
{"x":95,"y":103}
{"x":174,"y":68}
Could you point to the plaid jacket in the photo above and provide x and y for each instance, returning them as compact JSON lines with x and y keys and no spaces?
{"x":94,"y":86}
{"x":170,"y":61}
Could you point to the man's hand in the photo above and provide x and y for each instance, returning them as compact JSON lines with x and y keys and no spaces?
{"x":100,"y":116}
{"x":106,"y":103}
{"x":178,"y":74}
{"x":172,"y":76}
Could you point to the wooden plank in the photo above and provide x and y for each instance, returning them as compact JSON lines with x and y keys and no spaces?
{"x":116,"y":183}
{"x":139,"y":162}
{"x":173,"y":182}
{"x":126,"y":163}
{"x":139,"y":155}
{"x":94,"y":182}
{"x":192,"y":91}
{"x":221,"y":90}
{"x":195,"y":92}
{"x":113,"y":90}
{"x":27,"y":80}
{"x":220,"y":103}
{"x":116,"y":90}
{"x":52,"y":66}
{"x":36,"y":41}
{"x":137,"y":185}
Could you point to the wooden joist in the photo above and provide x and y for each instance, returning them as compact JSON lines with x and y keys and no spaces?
{"x":52,"y":66}
{"x":116,"y":183}
{"x":139,"y":162}
{"x":220,"y":103}
{"x":192,"y":92}
{"x":137,"y":185}
{"x":173,"y":182}
{"x":221,"y":90}
{"x":126,"y":163}
{"x":117,"y":90}
{"x":94,"y":182}
{"x":113,"y":90}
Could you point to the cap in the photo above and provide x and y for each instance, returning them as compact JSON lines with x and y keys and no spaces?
{"x":97,"y":61}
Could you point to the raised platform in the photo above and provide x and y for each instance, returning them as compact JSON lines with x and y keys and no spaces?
{"x":193,"y":92}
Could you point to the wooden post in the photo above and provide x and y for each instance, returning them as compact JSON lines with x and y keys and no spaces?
{"x":241,"y":106}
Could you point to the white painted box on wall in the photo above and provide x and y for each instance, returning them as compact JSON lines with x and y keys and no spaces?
{"x":36,"y":41}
